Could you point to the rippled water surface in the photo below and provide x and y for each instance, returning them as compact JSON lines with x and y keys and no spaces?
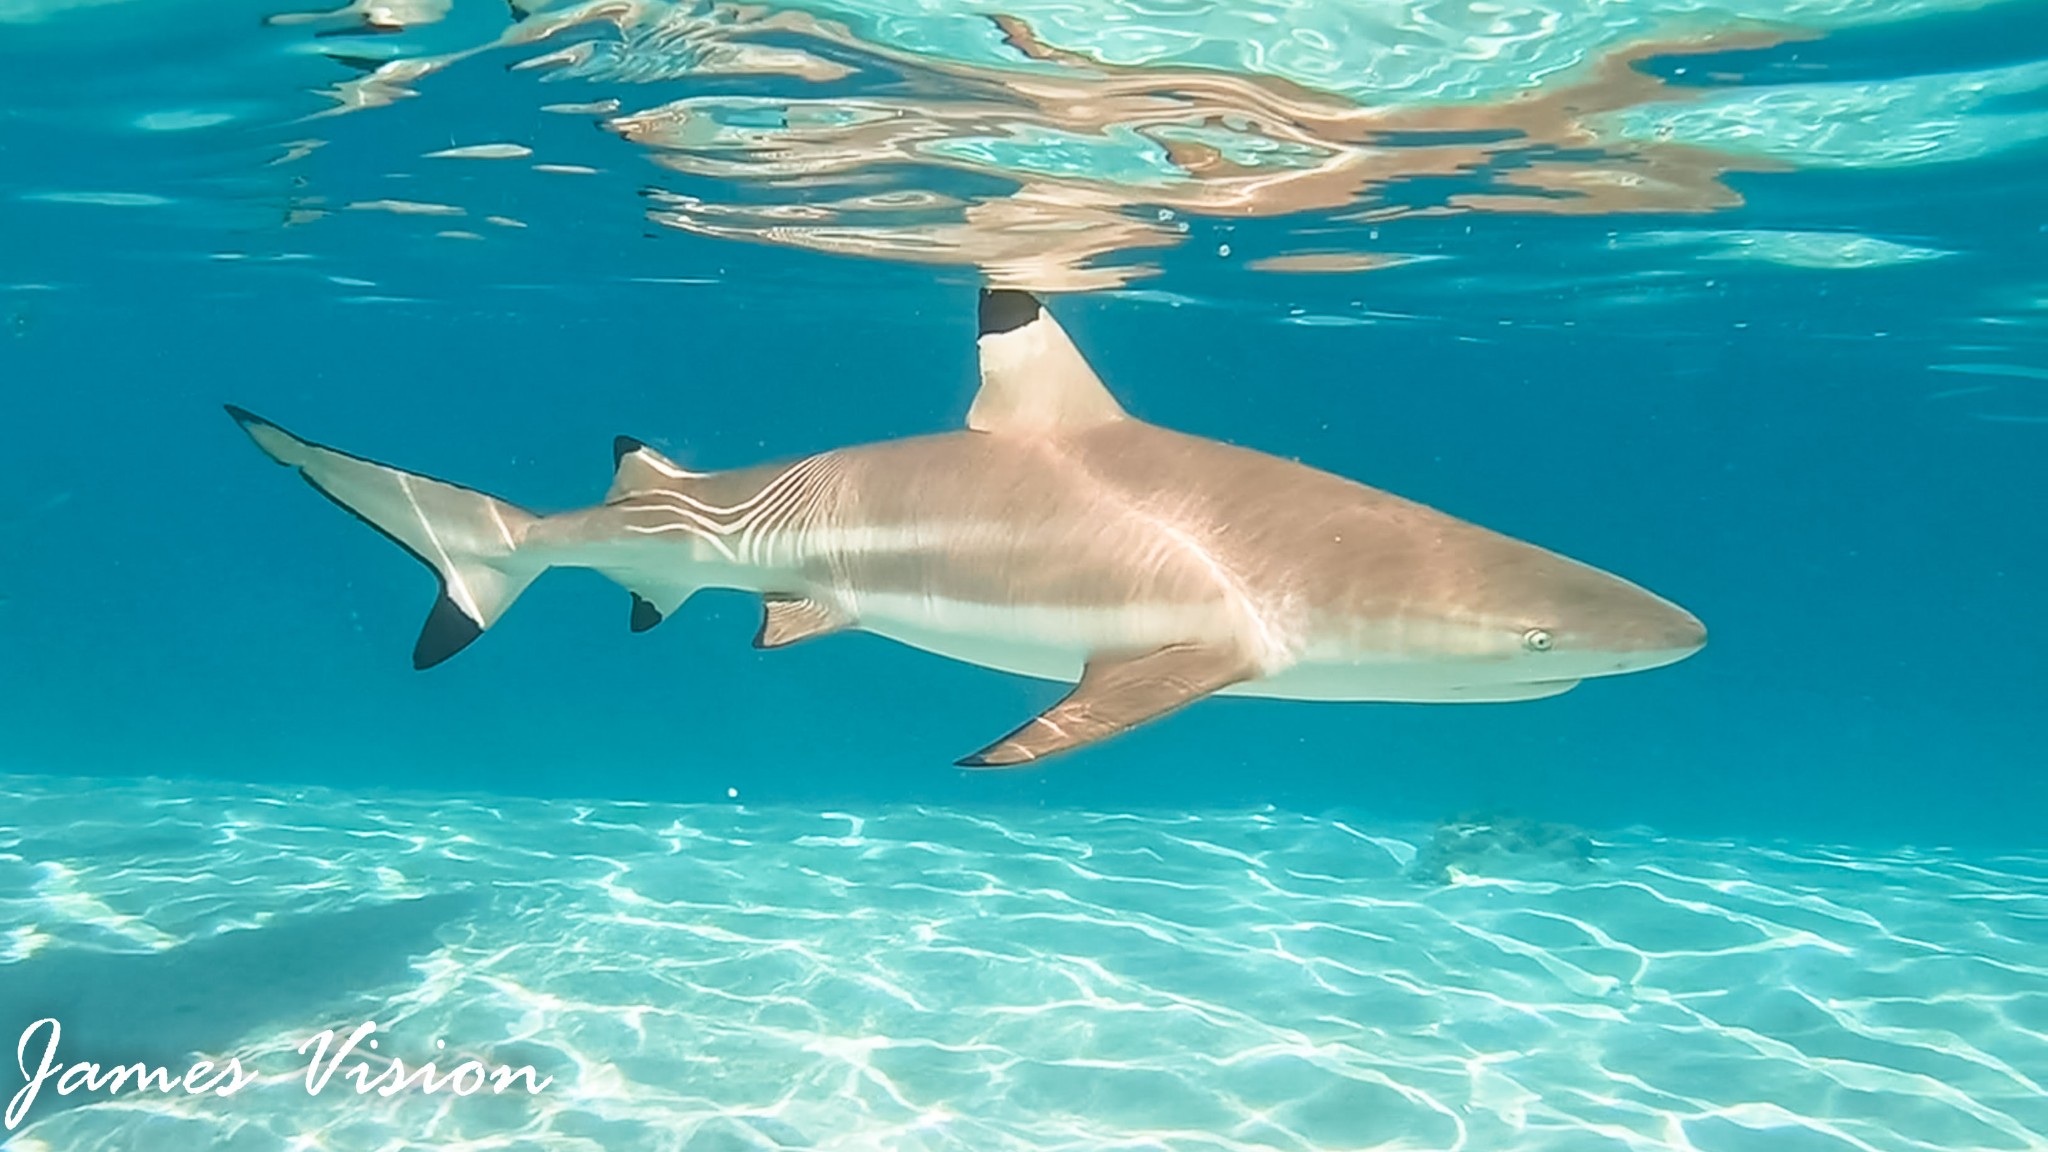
{"x":1051,"y":145}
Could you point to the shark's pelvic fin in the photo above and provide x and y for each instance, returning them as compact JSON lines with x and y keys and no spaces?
{"x":469,"y":539}
{"x":1033,"y":380}
{"x":637,"y":468}
{"x":1116,"y":695}
{"x":788,"y":619}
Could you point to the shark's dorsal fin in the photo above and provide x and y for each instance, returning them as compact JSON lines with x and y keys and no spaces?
{"x":1033,"y":380}
{"x":638,"y":468}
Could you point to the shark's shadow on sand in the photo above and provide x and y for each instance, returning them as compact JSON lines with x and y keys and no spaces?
{"x":305,"y":971}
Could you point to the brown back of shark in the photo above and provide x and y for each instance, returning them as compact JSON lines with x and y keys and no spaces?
{"x":1057,"y":537}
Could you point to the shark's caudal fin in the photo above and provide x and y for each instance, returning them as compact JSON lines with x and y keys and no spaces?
{"x":470,"y":540}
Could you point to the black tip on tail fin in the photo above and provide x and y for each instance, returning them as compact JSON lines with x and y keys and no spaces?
{"x":470,"y":540}
{"x":991,"y":758}
{"x":266,"y":434}
{"x":645,"y":614}
{"x":448,"y":630}
{"x":1006,"y":310}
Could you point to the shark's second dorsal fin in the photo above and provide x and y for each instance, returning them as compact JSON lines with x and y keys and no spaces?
{"x":1033,"y":380}
{"x":638,"y":468}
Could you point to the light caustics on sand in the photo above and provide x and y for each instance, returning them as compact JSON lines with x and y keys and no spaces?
{"x":1050,"y":147}
{"x":720,"y":976}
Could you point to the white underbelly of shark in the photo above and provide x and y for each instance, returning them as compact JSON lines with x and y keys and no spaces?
{"x":1046,"y":642}
{"x":1055,"y":642}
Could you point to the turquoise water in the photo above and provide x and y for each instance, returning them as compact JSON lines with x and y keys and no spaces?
{"x":1746,"y":302}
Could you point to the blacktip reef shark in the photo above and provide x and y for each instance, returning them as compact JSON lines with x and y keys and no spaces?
{"x":1057,"y":537}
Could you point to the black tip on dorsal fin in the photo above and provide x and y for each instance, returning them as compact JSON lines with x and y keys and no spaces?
{"x":448,"y":630}
{"x":624,"y":446}
{"x":243,"y":416}
{"x":645,"y":614}
{"x":1006,"y":310}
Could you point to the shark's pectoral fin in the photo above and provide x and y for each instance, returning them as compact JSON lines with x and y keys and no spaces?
{"x":1033,"y":380}
{"x":1116,"y":695}
{"x":788,"y":619}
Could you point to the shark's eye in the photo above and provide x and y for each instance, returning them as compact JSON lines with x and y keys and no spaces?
{"x":1536,"y":640}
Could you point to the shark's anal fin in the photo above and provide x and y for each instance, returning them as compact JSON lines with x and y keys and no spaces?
{"x":645,"y":614}
{"x":654,"y":603}
{"x":788,"y":619}
{"x":1116,"y":695}
{"x":1034,"y":382}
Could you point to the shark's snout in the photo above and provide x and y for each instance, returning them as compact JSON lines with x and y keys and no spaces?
{"x":1684,"y":632}
{"x":1632,"y":630}
{"x":1584,"y":622}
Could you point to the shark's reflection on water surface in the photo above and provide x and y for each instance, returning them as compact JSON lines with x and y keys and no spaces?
{"x":1050,"y":170}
